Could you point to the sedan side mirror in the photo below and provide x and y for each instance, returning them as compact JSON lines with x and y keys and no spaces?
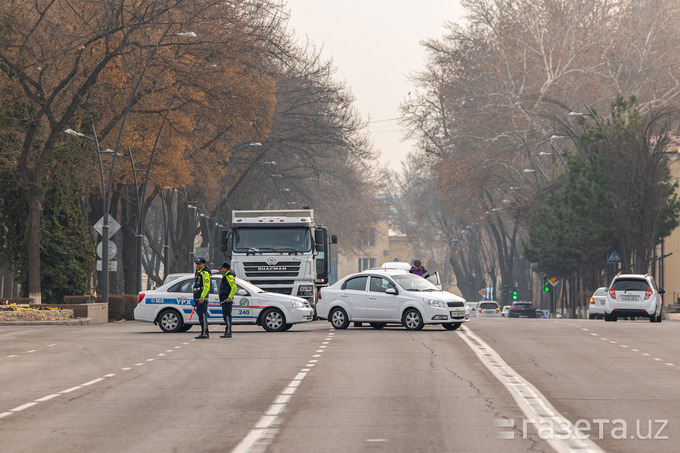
{"x":391,"y":291}
{"x":242,"y":292}
{"x":661,"y":291}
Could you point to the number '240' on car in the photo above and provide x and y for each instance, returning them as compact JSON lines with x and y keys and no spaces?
{"x":171,"y":306}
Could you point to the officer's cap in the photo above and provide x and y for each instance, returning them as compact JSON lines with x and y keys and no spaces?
{"x":200,"y":260}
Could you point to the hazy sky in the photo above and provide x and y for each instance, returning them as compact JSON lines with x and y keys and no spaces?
{"x":374,"y":45}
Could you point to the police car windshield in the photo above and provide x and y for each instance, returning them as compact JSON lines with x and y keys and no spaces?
{"x":412,"y":282}
{"x":272,"y":239}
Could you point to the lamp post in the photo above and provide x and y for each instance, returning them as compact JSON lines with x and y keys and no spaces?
{"x":166,"y":204}
{"x":106,"y":200}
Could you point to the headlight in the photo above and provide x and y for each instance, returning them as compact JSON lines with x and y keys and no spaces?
{"x":435,"y":303}
{"x":297,"y":304}
{"x":305,"y":290}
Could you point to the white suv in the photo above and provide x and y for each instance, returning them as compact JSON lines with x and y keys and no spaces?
{"x":633,"y":295}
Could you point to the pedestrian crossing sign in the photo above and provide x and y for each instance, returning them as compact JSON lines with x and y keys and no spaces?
{"x":614,"y":257}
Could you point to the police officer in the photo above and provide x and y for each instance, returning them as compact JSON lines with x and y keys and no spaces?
{"x":227,"y":291}
{"x":201,"y":290}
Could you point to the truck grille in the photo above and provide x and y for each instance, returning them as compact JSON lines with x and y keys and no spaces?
{"x":280,"y":269}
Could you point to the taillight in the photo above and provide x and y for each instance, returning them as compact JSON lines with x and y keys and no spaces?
{"x":648,"y":293}
{"x":140,"y":298}
{"x":480,"y":309}
{"x":498,"y":308}
{"x":513,"y":308}
{"x":612,"y":293}
{"x":592,"y":301}
{"x":318,"y":294}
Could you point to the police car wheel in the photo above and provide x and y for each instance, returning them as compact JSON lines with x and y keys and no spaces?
{"x":287,"y":326}
{"x":170,"y":321}
{"x":412,"y":320}
{"x":338,"y":318}
{"x":273,"y":320}
{"x":452,"y":326}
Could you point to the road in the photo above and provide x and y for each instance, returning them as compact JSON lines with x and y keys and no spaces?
{"x":129,"y":387}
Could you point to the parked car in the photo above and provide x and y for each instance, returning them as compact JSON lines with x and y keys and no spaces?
{"x":171,"y":306}
{"x":505,"y":311}
{"x":596,"y":305}
{"x":633,"y":295}
{"x":390,"y":296}
{"x":488,"y":309}
{"x":522,"y":310}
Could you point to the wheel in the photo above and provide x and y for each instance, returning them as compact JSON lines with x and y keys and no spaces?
{"x":273,"y":320}
{"x":287,"y":327}
{"x":378,"y":325}
{"x":452,"y":326}
{"x":338,"y":318}
{"x":170,"y":321}
{"x":412,"y":320}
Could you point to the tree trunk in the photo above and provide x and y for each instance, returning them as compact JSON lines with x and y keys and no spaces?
{"x":35,"y":198}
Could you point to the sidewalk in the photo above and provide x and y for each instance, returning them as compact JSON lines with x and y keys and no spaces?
{"x":63,"y":322}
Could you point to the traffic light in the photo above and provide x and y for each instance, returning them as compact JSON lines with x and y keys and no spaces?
{"x":514,"y":294}
{"x":546,"y":285}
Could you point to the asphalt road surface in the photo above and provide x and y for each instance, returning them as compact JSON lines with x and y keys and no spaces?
{"x":494,"y":385}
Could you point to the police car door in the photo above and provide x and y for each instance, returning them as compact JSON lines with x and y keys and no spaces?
{"x":214,"y":307}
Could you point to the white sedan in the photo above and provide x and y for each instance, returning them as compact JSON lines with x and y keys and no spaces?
{"x":172,"y":306}
{"x":390,"y":296}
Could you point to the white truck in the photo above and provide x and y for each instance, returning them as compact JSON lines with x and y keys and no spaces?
{"x":281,"y":251}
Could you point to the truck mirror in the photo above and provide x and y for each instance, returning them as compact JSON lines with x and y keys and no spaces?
{"x":334,"y":239}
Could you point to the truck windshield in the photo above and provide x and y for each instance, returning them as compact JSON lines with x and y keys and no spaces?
{"x":272,"y":239}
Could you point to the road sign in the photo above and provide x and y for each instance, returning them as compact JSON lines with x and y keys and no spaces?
{"x":553,"y":281}
{"x":113,"y":249}
{"x":482,"y":292}
{"x":113,"y":226}
{"x":614,"y":257}
{"x":113,"y":265}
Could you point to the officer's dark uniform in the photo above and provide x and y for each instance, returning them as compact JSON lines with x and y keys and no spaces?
{"x":227,"y":291}
{"x":201,"y":290}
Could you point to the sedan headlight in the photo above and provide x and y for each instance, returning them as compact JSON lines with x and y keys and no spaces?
{"x":435,"y":303}
{"x":297,"y":304}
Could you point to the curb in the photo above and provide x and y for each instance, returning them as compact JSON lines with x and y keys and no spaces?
{"x":64,"y":322}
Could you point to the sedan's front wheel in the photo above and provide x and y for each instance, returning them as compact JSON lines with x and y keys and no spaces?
{"x":452,"y":326}
{"x":273,"y":320}
{"x":338,"y":318}
{"x":412,"y":320}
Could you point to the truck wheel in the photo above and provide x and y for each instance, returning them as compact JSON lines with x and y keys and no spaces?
{"x":170,"y":321}
{"x":338,"y":318}
{"x":273,"y":320}
{"x":412,"y":320}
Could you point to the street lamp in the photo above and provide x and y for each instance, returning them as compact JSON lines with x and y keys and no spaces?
{"x":166,"y":204}
{"x":591,"y":113}
{"x":106,"y":199}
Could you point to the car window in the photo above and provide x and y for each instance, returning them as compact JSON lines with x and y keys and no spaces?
{"x":600,"y":292}
{"x":356,"y":283}
{"x":487,"y":305}
{"x":523,"y":305}
{"x":185,"y":286}
{"x":380,"y":284}
{"x":411,"y":282}
{"x":630,"y":284}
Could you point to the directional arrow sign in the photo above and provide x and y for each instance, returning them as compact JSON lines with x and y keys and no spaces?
{"x":113,"y":226}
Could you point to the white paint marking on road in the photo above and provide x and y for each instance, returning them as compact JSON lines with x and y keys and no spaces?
{"x":603,"y":339}
{"x":305,"y":370}
{"x":48,"y":397}
{"x":160,"y":355}
{"x":178,"y":347}
{"x":584,"y":329}
{"x":252,"y":439}
{"x":325,"y":342}
{"x":265,"y":422}
{"x":10,"y":356}
{"x":288,"y":391}
{"x":5,"y":414}
{"x":72,"y":389}
{"x":300,"y":376}
{"x":623,"y":345}
{"x":317,"y":355}
{"x":185,"y":343}
{"x":169,"y":350}
{"x":657,"y":359}
{"x":50,"y":345}
{"x":594,"y":334}
{"x":376,"y":440}
{"x":23,"y":406}
{"x":313,"y":361}
{"x":309,"y":365}
{"x":532,"y":402}
{"x":150,"y":360}
{"x":126,"y":369}
{"x":320,"y":350}
{"x":645,"y":354}
{"x":32,"y":350}
{"x":635,"y":350}
{"x":322,"y":347}
{"x":275,"y":409}
{"x":139,"y":364}
{"x":613,"y":342}
{"x":94,"y":381}
{"x":670,"y":364}
{"x":282,"y":399}
{"x":109,"y":375}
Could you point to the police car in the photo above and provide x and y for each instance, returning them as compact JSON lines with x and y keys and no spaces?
{"x":171,"y":306}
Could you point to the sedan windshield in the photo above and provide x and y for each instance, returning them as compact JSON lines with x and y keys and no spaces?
{"x":412,"y":282}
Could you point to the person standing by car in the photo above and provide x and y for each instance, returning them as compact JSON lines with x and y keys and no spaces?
{"x":201,"y":290}
{"x":418,"y":269}
{"x":227,"y":291}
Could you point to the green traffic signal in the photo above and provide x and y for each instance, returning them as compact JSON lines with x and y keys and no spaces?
{"x":546,"y":287}
{"x":514,"y":295}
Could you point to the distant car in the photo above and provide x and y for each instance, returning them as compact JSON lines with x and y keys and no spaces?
{"x":488,"y":309}
{"x":597,"y":301}
{"x":545,"y":314}
{"x":505,"y":311}
{"x":389,"y":296}
{"x":633,"y":295}
{"x":473,"y":308}
{"x":522,"y":310}
{"x":171,"y":306}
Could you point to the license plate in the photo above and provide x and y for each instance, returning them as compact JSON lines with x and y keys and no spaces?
{"x":457,"y":314}
{"x":601,"y":302}
{"x":523,"y":316}
{"x":624,"y":297}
